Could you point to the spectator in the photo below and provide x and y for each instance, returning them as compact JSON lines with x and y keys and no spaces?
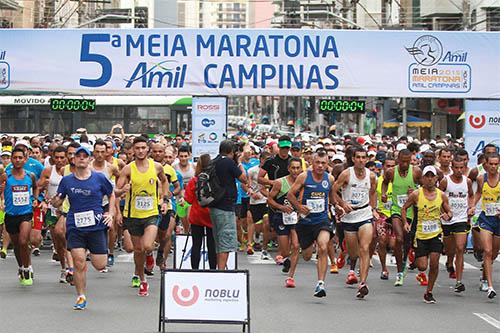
{"x":199,"y":218}
{"x":222,"y":213}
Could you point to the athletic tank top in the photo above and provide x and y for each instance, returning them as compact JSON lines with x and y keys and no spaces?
{"x":316,"y":198}
{"x":491,"y":197}
{"x":186,"y":175}
{"x":400,"y":187}
{"x":357,"y":194}
{"x":54,"y":180}
{"x":457,"y":197}
{"x":142,"y":199}
{"x":288,"y":219}
{"x":429,"y":216}
{"x":384,"y":207}
{"x":18,"y":194}
{"x":105,"y":172}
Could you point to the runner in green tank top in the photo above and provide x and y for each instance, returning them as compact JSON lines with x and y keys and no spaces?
{"x":404,"y":179}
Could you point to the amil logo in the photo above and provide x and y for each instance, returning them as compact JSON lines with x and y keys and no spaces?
{"x":477,"y":122}
{"x":186,"y":297}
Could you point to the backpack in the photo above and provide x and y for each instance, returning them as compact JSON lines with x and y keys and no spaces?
{"x":209,"y":190}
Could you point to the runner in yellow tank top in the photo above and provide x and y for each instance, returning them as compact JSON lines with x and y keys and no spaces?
{"x":139,"y":181}
{"x":432,"y":206}
{"x":488,"y":189}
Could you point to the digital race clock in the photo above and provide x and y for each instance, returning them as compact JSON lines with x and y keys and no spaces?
{"x":341,"y":105}
{"x":72,"y":104}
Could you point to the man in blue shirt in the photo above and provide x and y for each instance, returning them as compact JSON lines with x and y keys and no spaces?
{"x":86,"y":223}
{"x":31,"y":164}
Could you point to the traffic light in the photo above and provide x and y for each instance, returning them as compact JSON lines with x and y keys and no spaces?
{"x":141,"y":17}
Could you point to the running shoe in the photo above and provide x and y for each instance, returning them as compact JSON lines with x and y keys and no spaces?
{"x":319,"y":291}
{"x":144,"y":289}
{"x":459,"y":287}
{"x":111,"y":260}
{"x":81,"y":303}
{"x":27,"y":280}
{"x":257,"y":247}
{"x":35,"y":252}
{"x":62,"y":277}
{"x":20,"y":274}
{"x":289,"y":282}
{"x":491,"y":293}
{"x":148,"y":272}
{"x":136,"y":282}
{"x":104,"y":270}
{"x":265,"y":256}
{"x":399,"y":279}
{"x":55,"y":256}
{"x":286,"y":265}
{"x":483,"y":286}
{"x":384,"y":275}
{"x":422,"y":279}
{"x":451,"y":272}
{"x":250,"y":250}
{"x":242,"y":247}
{"x":429,"y":298}
{"x":362,"y":290}
{"x":351,"y":278}
{"x":341,"y":260}
{"x":334,"y":269}
{"x":150,"y":262}
{"x":3,"y":253}
{"x":70,"y":276}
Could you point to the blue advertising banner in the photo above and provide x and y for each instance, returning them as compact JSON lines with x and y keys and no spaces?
{"x":482,"y":125}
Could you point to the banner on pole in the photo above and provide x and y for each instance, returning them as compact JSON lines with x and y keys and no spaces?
{"x":209,"y":118}
{"x":482,"y":126}
{"x":238,"y":62}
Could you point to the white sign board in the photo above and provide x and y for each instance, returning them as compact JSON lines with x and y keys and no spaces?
{"x":182,"y":252}
{"x":209,"y":117}
{"x":482,"y":126}
{"x":209,"y":296}
{"x":239,"y":62}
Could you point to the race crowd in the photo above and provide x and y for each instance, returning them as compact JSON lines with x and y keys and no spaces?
{"x":342,"y":200}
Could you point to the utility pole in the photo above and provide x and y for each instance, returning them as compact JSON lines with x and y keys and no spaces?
{"x":466,"y":14}
{"x":405,"y":116}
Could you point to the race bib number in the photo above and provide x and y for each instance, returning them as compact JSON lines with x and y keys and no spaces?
{"x":316,"y":205}
{"x":458,"y":205}
{"x":492,"y":209}
{"x":144,"y":203}
{"x":359,"y":197}
{"x":429,"y":227}
{"x":84,"y":219}
{"x":387,"y":205}
{"x":21,"y":198}
{"x":53,"y":211}
{"x":402,"y":199}
{"x":290,"y":219}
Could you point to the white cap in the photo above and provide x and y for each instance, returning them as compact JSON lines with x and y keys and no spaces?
{"x":424,"y":147}
{"x":400,"y":146}
{"x":429,"y":168}
{"x":22,"y":143}
{"x":339,"y":148}
{"x":338,"y":157}
{"x":316,"y":147}
{"x":372,"y":153}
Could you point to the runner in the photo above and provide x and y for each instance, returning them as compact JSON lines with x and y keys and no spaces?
{"x":458,"y":188}
{"x":444,"y":158}
{"x":359,"y":200}
{"x":488,"y":189}
{"x":20,"y":195}
{"x":139,"y":180}
{"x":111,"y":172}
{"x":383,"y":228}
{"x":285,"y":220}
{"x":166,"y":226}
{"x":49,"y":182}
{"x":187,"y":170}
{"x":404,"y":180}
{"x":314,"y":224}
{"x":86,"y":221}
{"x":432,"y":207}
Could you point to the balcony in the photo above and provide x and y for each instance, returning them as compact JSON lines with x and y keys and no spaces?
{"x":431,"y":8}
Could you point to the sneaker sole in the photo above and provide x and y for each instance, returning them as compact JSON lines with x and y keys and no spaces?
{"x":429,"y":302}
{"x":492,"y":295}
{"x":144,"y":295}
{"x":320,"y":294}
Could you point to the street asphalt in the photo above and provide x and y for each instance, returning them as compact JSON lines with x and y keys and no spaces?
{"x":113,"y":306}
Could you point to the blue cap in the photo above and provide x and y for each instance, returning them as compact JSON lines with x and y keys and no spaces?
{"x":296,"y":145}
{"x":84,"y":149}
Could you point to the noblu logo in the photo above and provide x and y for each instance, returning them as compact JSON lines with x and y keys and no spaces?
{"x":186,"y":297}
{"x":477,"y":122}
{"x":207,"y":122}
{"x":223,"y":294}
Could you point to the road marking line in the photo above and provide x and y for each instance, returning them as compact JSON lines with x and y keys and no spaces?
{"x":490,"y":320}
{"x":255,"y":260}
{"x":128,"y":257}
